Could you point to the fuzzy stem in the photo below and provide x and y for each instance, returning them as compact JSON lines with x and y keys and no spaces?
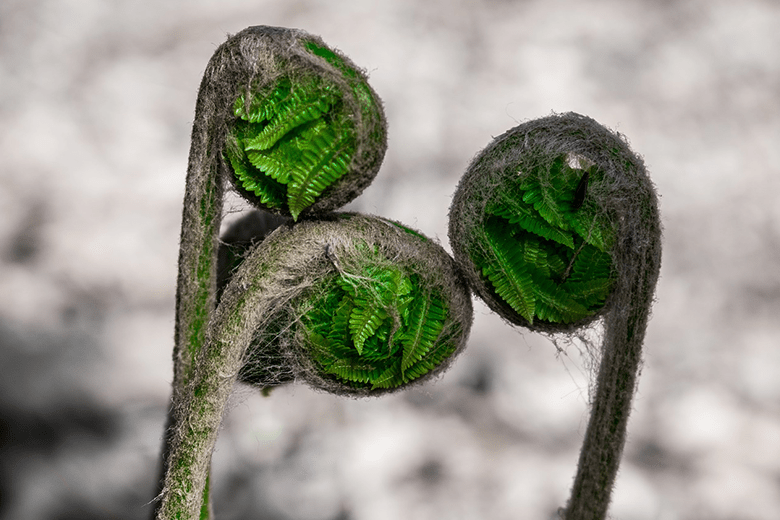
{"x":606,"y":433}
{"x":214,"y":374}
{"x":196,"y":288}
{"x":625,"y":326}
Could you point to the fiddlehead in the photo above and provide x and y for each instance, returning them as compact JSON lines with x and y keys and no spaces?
{"x":253,"y":59}
{"x":241,"y":77}
{"x":534,"y":234}
{"x":352,"y":305}
{"x":376,"y":327}
{"x":367,"y":307}
{"x":556,"y":224}
{"x":372,"y":322}
{"x":310,"y":126}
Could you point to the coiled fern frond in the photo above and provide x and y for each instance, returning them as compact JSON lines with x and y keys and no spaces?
{"x":297,"y":130}
{"x":556,"y":224}
{"x":537,"y":236}
{"x":379,"y":327}
{"x":301,"y":131}
{"x":353,"y":305}
{"x":375,"y":319}
{"x":543,"y":244}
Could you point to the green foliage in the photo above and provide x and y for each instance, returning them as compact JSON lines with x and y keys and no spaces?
{"x":547,"y":245}
{"x":507,"y":271}
{"x":296,"y":137}
{"x":378,"y":327}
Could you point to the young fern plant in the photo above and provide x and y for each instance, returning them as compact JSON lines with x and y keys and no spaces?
{"x":555,"y":224}
{"x":349,"y":304}
{"x":254,"y":61}
{"x":371,"y":323}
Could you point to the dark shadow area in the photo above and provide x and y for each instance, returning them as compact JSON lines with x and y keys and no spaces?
{"x":45,"y":416}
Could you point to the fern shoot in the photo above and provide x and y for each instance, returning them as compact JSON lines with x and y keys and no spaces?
{"x":541,"y":238}
{"x":386,"y":308}
{"x":296,"y":135}
{"x":555,"y":224}
{"x":280,"y":102}
{"x":373,"y":328}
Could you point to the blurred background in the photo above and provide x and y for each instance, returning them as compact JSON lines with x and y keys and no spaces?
{"x":96,"y":105}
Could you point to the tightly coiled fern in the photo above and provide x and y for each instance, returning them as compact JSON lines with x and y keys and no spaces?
{"x":297,"y":133}
{"x":555,"y":224}
{"x":379,"y":327}
{"x":363,"y":305}
{"x":546,"y":249}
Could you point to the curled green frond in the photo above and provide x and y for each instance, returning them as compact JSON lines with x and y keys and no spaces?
{"x":556,"y":224}
{"x":313,"y":132}
{"x":298,"y":131}
{"x":372,"y":327}
{"x":533,"y":238}
{"x":532,"y":229}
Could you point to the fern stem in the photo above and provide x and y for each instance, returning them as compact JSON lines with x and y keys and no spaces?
{"x":624,"y":331}
{"x":605,"y":436}
{"x":196,"y":286}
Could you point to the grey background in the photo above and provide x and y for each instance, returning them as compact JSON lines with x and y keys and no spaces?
{"x":96,"y":103}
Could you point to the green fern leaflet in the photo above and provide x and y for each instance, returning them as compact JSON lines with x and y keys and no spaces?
{"x":294,"y":138}
{"x":377,"y":327}
{"x":547,"y":246}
